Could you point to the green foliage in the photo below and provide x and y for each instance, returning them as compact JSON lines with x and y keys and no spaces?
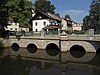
{"x":95,"y":16}
{"x":86,"y":22}
{"x":44,"y":6}
{"x":68,"y":31}
{"x":74,"y":32}
{"x":57,"y":14}
{"x":77,"y":32}
{"x":92,"y":21}
{"x":3,"y":16}
{"x":20,"y":10}
{"x":67,"y":16}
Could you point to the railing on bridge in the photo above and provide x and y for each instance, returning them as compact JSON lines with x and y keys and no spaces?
{"x":58,"y":35}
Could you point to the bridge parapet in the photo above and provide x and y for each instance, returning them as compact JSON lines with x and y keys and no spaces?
{"x":63,"y":43}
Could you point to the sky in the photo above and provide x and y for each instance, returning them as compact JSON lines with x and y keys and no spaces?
{"x":77,"y":9}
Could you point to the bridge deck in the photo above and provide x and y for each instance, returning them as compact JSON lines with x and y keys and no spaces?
{"x":56,"y":37}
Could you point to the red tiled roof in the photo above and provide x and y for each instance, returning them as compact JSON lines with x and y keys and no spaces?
{"x":51,"y":27}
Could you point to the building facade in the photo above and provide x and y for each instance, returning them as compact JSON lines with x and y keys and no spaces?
{"x":12,"y":26}
{"x":45,"y":21}
{"x":77,"y":26}
{"x":15,"y":28}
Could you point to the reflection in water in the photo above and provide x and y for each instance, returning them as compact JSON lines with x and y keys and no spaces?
{"x":52,"y":52}
{"x":38,"y":66}
{"x":52,"y":49}
{"x":77,"y":51}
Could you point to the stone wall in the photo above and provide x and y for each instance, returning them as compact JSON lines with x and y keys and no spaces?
{"x":64,"y":45}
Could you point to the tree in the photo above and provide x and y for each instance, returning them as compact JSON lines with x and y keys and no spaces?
{"x":3,"y":16}
{"x":93,"y":20}
{"x":86,"y":22}
{"x":67,"y":16}
{"x":95,"y":14}
{"x":20,"y":10}
{"x":44,"y":6}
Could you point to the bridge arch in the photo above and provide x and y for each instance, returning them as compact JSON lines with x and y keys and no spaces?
{"x":31,"y":43}
{"x":52,"y":49}
{"x":86,"y":45}
{"x":31,"y":48}
{"x":15,"y":46}
{"x":77,"y":47}
{"x":52,"y":45}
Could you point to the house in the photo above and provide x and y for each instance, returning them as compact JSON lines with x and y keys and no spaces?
{"x":77,"y":26}
{"x":48,"y":22}
{"x":25,"y":28}
{"x":67,"y":24}
{"x":12,"y":26}
{"x":15,"y":27}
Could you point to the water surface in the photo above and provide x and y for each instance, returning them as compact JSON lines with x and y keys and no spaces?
{"x":45,"y":62}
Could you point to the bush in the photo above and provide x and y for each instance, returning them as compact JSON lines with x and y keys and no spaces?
{"x":77,"y":32}
{"x":68,"y":31}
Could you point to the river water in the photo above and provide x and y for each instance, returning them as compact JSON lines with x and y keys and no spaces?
{"x":51,"y":62}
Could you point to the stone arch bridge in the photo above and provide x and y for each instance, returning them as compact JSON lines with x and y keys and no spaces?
{"x":64,"y":44}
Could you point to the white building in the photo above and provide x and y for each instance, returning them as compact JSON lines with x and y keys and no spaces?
{"x":45,"y":21}
{"x":16,"y":27}
{"x":12,"y":25}
{"x":77,"y":26}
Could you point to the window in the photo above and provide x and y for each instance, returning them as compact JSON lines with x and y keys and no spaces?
{"x":35,"y":23}
{"x":36,"y":30}
{"x":44,"y":23}
{"x":10,"y":22}
{"x":15,"y":28}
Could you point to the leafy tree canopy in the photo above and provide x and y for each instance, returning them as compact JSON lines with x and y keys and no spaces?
{"x":3,"y":16}
{"x":67,"y":16}
{"x":92,"y":21}
{"x":44,"y":6}
{"x":20,"y":10}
